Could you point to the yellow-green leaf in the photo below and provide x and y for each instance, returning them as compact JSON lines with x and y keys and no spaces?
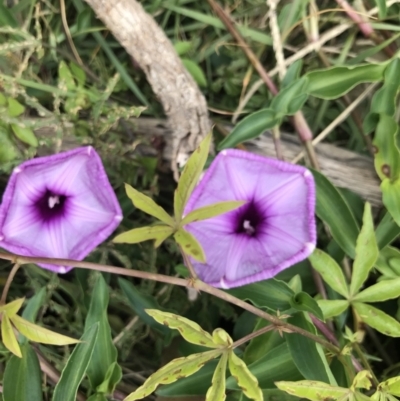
{"x":245,"y":379}
{"x":147,"y":204}
{"x":190,"y":245}
{"x":190,"y":176}
{"x":312,"y":390}
{"x":8,"y":336}
{"x":362,"y":380}
{"x":13,"y":307}
{"x":159,"y":233}
{"x":39,"y":334}
{"x":15,"y":108}
{"x":176,"y":369}
{"x":189,"y":330}
{"x":221,"y":337}
{"x":217,"y":390}
{"x":25,"y":134}
{"x":207,"y":212}
{"x":332,"y":307}
{"x":367,"y":252}
{"x":391,"y":386}
{"x":330,"y":271}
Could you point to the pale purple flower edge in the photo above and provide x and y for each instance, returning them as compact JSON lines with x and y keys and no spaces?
{"x":311,"y":202}
{"x":102,"y":180}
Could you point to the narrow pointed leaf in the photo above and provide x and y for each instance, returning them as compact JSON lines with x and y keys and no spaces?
{"x":39,"y":334}
{"x":76,"y":366}
{"x":245,"y":379}
{"x":141,"y":234}
{"x":31,"y":310}
{"x":176,"y":369}
{"x":22,"y":377}
{"x":13,"y":307}
{"x":148,"y":206}
{"x":190,"y":245}
{"x":25,"y":134}
{"x":190,"y":176}
{"x":217,"y":390}
{"x":8,"y":336}
{"x":305,"y":303}
{"x":379,"y":292}
{"x":312,"y":390}
{"x":331,"y":308}
{"x":330,"y":271}
{"x":391,"y":197}
{"x":221,"y":337}
{"x":207,"y":212}
{"x":367,"y":252}
{"x":188,"y":329}
{"x":377,"y":319}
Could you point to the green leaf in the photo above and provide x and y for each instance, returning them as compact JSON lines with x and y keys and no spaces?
{"x":22,"y":377}
{"x":250,"y":127}
{"x":362,"y":380}
{"x":213,"y":210}
{"x":273,"y":294}
{"x":377,"y":319}
{"x":222,"y":338}
{"x":190,"y":245}
{"x":379,"y":292}
{"x":15,"y":108}
{"x":330,"y":271}
{"x":182,"y":47}
{"x":8,"y":336}
{"x":307,"y":354}
{"x":176,"y":369}
{"x":188,"y":329}
{"x":8,"y":151}
{"x":139,"y":302}
{"x":331,"y":83}
{"x":105,"y":353}
{"x":276,"y":364}
{"x":158,"y":233}
{"x":12,"y":308}
{"x":386,"y":158}
{"x":76,"y":366}
{"x":367,"y":252}
{"x":290,"y":99}
{"x":292,"y":74}
{"x":334,"y":211}
{"x":381,"y":4}
{"x":391,"y":197}
{"x":305,"y":303}
{"x":39,"y":334}
{"x":65,"y":79}
{"x":313,"y":390}
{"x":25,"y":135}
{"x":195,"y":71}
{"x":148,"y":206}
{"x":217,"y":390}
{"x":112,"y":378}
{"x":391,"y":386}
{"x":245,"y":379}
{"x":331,"y":308}
{"x":190,"y":176}
{"x":386,"y":231}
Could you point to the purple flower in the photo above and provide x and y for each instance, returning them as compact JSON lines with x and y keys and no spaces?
{"x":272,"y":231}
{"x":59,"y":206}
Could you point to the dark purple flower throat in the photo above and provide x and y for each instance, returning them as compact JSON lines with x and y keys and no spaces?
{"x":51,"y":205}
{"x":249,"y":219}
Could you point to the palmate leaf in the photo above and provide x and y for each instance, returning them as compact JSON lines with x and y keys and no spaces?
{"x":148,"y":206}
{"x":190,"y":245}
{"x":39,"y":334}
{"x":188,"y":329}
{"x":8,"y":336}
{"x":381,"y":291}
{"x":334,"y":307}
{"x":217,"y":390}
{"x":207,"y":212}
{"x":221,"y":337}
{"x":190,"y":176}
{"x":176,"y":369}
{"x":159,"y":233}
{"x":245,"y":379}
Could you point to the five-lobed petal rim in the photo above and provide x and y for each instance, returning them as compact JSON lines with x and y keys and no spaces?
{"x":59,"y":206}
{"x":273,"y":231}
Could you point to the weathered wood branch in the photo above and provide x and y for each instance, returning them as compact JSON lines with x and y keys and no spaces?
{"x":183,"y":103}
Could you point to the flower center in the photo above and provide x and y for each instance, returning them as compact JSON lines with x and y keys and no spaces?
{"x":248,"y":219}
{"x":51,"y":205}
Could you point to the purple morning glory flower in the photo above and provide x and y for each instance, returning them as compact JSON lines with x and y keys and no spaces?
{"x":272,"y":231}
{"x":59,"y":206}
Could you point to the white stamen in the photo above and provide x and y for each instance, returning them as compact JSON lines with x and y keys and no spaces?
{"x":248,"y":227}
{"x":53,"y":200}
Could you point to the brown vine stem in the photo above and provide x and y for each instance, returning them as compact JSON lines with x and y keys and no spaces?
{"x":299,"y":122}
{"x":252,"y":335}
{"x":10,"y":278}
{"x":197,"y":284}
